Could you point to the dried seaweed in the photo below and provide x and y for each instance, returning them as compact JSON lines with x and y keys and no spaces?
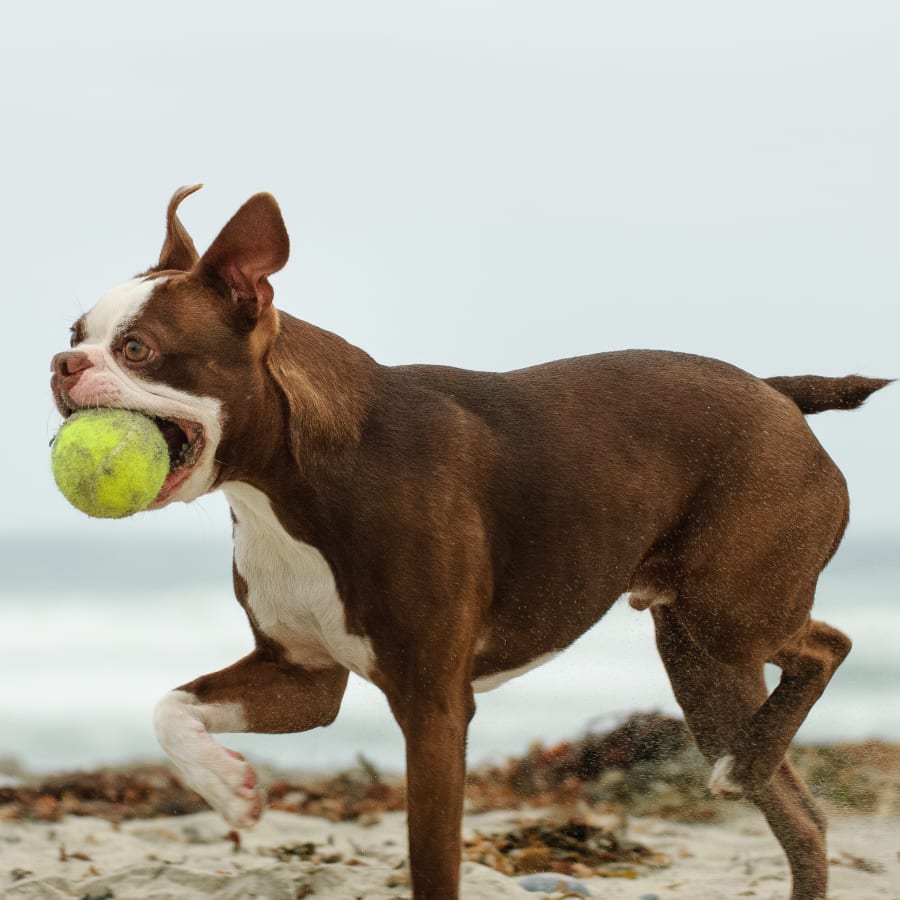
{"x":360,"y":794}
{"x":861,"y":778}
{"x":113,"y":794}
{"x":647,"y":765}
{"x":571,"y":846}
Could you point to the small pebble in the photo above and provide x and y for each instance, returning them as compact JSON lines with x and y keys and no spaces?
{"x":649,"y":897}
{"x":548,"y":882}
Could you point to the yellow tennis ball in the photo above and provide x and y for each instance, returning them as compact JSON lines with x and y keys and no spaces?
{"x":109,"y":463}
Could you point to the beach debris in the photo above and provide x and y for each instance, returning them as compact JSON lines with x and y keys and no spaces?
{"x":65,"y":856}
{"x":646,"y":765}
{"x":571,"y":847}
{"x":858,"y":862}
{"x":848,"y":776}
{"x":399,"y":878}
{"x":305,"y":851}
{"x":235,"y":837}
{"x":113,"y":794}
{"x":554,"y":883}
{"x":361,"y":794}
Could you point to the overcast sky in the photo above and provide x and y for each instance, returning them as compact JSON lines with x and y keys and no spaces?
{"x":482,"y":184}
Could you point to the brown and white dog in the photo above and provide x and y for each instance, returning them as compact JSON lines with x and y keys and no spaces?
{"x":439,"y":531}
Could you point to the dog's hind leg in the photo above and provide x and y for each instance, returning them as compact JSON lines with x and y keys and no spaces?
{"x":720,"y":701}
{"x":259,"y":693}
{"x":807,"y":664}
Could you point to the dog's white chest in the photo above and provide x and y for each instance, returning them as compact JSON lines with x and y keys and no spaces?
{"x":292,"y":594}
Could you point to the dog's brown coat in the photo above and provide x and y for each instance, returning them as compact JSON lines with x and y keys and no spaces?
{"x":476,"y":521}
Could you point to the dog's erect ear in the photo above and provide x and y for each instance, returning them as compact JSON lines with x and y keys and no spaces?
{"x":178,"y":250}
{"x":253,"y":245}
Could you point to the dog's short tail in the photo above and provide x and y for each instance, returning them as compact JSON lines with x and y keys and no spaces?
{"x":815,"y":393}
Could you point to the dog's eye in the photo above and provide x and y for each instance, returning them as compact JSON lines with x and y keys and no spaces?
{"x":135,"y":351}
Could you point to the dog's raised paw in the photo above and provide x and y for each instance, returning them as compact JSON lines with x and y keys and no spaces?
{"x":721,"y":782}
{"x":225,"y":780}
{"x":229,"y":785}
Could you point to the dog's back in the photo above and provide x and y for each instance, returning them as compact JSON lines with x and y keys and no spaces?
{"x":634,"y":470}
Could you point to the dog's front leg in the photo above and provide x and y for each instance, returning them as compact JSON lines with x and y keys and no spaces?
{"x":257,"y":694}
{"x":434,"y":718}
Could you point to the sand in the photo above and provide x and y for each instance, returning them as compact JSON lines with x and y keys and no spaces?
{"x":193,"y":857}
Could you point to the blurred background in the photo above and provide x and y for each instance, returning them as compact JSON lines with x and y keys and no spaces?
{"x":482,"y":184}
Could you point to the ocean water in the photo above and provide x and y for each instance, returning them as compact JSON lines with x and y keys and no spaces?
{"x":92,"y":634}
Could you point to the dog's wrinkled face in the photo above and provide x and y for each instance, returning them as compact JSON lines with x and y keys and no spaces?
{"x":180,"y":344}
{"x":122,"y":356}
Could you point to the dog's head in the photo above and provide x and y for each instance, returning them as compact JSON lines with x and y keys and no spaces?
{"x":185,"y":342}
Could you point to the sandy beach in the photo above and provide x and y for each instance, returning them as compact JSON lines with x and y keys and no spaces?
{"x":622,"y":814}
{"x":289,"y":856}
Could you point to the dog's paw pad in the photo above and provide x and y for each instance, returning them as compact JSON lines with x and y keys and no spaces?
{"x":721,"y":781}
{"x":230,"y":786}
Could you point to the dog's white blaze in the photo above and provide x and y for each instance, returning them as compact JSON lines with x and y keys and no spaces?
{"x":489,"y":682}
{"x":116,"y":308}
{"x":106,"y":383}
{"x":292,"y":594}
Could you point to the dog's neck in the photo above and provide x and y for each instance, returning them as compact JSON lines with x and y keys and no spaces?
{"x":328,"y":387}
{"x":304,"y":421}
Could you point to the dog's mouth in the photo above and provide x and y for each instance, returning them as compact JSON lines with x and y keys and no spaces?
{"x":185,"y":440}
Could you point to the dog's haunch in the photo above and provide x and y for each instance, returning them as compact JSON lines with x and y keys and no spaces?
{"x":110,"y":463}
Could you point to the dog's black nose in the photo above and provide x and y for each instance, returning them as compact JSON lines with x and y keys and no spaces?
{"x":64,"y":365}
